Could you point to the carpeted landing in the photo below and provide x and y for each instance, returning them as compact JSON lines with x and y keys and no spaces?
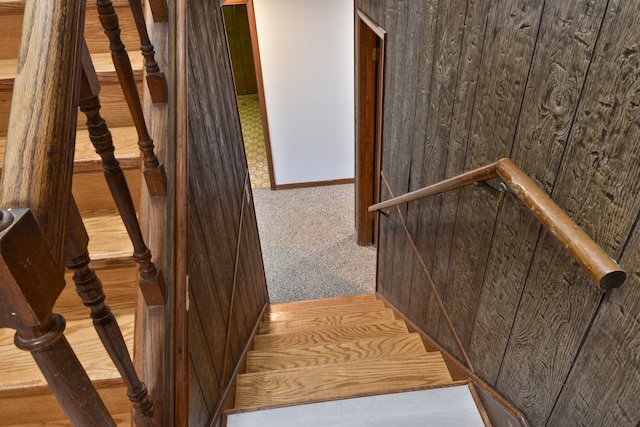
{"x":308,"y":244}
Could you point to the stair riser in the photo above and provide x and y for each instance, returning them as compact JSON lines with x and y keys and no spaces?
{"x":92,"y":192}
{"x":11,"y":24}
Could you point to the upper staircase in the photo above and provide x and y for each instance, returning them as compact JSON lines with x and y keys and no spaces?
{"x":309,"y":352}
{"x":25,"y":397}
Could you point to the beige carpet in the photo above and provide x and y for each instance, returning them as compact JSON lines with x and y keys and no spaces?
{"x":308,"y":244}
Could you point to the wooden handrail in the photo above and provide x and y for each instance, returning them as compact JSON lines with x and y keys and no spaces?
{"x":591,"y":257}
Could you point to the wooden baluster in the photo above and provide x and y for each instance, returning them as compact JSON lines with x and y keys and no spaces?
{"x":155,"y":78}
{"x":30,"y":283}
{"x":154,"y":173}
{"x":159,"y":10}
{"x":89,"y":288}
{"x":151,"y":281}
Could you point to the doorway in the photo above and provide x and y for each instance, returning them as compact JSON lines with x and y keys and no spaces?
{"x":369,"y":53}
{"x":240,"y":26}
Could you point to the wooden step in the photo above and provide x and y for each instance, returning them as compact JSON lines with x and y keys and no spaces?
{"x":324,"y":311}
{"x":300,"y":305}
{"x":351,"y":351}
{"x":40,"y":407}
{"x":19,"y":372}
{"x":119,"y":279}
{"x":114,"y":108}
{"x":275,"y":327}
{"x":340,"y":381}
{"x":330,"y":335}
{"x":11,"y":13}
{"x":108,"y":237}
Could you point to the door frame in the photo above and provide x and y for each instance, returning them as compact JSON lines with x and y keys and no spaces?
{"x":368,"y":150}
{"x":255,"y":50}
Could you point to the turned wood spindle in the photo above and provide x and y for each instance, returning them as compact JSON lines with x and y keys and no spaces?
{"x":156,"y":81}
{"x":30,"y":283}
{"x":89,"y":287}
{"x":151,"y":280}
{"x":154,"y":173}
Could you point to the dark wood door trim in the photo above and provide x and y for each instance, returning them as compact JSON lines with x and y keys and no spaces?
{"x":258,"y":69}
{"x":369,"y":78}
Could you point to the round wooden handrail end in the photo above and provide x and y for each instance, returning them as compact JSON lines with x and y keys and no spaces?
{"x":613,"y":279}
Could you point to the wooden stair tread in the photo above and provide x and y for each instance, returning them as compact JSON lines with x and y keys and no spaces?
{"x":329,"y":335}
{"x":107,"y":235}
{"x":40,"y":407}
{"x":125,"y":140}
{"x":339,"y":381}
{"x":19,"y":372}
{"x":350,"y":351}
{"x":102,"y":62}
{"x":274,"y":327}
{"x":325,"y":311}
{"x":300,"y":305}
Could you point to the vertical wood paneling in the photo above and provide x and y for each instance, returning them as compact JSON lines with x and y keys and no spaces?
{"x":598,"y":186}
{"x":511,"y":35}
{"x":553,"y":85}
{"x":225,"y":268}
{"x":456,"y":145}
{"x":557,"y":78}
{"x":605,"y":375}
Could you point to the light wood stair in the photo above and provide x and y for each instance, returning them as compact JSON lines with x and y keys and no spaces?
{"x":25,"y":398}
{"x":324,"y":350}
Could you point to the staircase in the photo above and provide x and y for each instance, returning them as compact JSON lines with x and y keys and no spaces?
{"x":344,"y":348}
{"x":25,"y":398}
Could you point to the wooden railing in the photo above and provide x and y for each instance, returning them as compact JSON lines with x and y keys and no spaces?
{"x":597,"y":264}
{"x":40,"y":225}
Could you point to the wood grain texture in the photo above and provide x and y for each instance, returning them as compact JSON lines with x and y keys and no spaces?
{"x":311,"y":323}
{"x":301,"y":305}
{"x":306,"y":385}
{"x":324,"y":311}
{"x":557,"y":78}
{"x":596,"y":186}
{"x":328,"y":335}
{"x":364,"y":349}
{"x":551,"y":84}
{"x":226,"y":276}
{"x":606,"y":368}
{"x":503,"y":73}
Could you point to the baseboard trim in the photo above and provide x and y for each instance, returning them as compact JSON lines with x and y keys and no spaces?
{"x":313,"y":184}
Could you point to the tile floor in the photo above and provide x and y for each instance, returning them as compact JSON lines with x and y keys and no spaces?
{"x":249,"y":107}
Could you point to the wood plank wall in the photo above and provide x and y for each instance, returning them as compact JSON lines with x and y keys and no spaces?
{"x":554,"y":86}
{"x":227,"y":286}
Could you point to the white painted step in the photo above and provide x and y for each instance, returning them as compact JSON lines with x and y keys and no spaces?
{"x":443,"y":407}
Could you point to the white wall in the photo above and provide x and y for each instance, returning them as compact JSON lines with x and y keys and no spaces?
{"x":307,"y":54}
